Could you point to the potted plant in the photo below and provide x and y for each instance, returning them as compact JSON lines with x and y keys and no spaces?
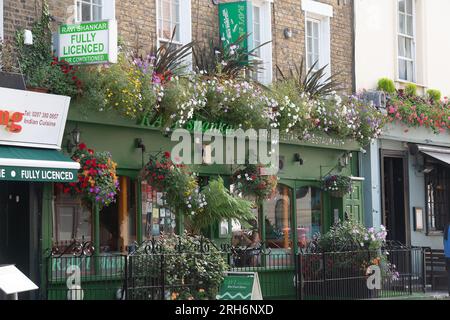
{"x":337,"y":185}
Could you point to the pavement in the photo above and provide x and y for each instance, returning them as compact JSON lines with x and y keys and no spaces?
{"x":431,"y":295}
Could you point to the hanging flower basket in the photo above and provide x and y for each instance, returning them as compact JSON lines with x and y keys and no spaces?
{"x":97,"y":178}
{"x":337,"y":185}
{"x":251,"y":181}
{"x":179,"y":186}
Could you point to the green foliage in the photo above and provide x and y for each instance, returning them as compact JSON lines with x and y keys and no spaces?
{"x":411,"y":90}
{"x":221,"y":205}
{"x":8,"y":62}
{"x":352,"y":235}
{"x":230,"y":61}
{"x":434,"y":95}
{"x":386,"y":85}
{"x":39,"y":54}
{"x":416,"y":111}
{"x":338,"y":185}
{"x":189,"y":275}
{"x":315,"y":83}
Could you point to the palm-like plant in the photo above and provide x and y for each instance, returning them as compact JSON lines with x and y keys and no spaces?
{"x":231,"y":61}
{"x":314,"y":82}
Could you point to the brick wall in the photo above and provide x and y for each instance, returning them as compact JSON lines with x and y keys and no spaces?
{"x":137,"y":28}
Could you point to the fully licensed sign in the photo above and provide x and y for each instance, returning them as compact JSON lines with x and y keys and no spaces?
{"x":37,"y":174}
{"x":30,"y":119}
{"x":88,"y":43}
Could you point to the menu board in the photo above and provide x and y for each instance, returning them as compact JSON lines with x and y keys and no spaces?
{"x":156,"y":215}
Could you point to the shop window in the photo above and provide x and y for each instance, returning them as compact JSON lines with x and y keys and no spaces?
{"x":278,"y":233}
{"x":156,"y":215}
{"x":437,"y":184}
{"x":309,"y":214}
{"x":71,"y":219}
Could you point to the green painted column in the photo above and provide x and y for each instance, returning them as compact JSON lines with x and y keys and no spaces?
{"x":139,"y":236}
{"x":47,"y":233}
{"x":96,"y":213}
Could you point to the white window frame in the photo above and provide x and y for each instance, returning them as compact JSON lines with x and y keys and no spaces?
{"x":265,"y":13}
{"x":413,"y":46}
{"x":108,"y":10}
{"x":1,"y":20}
{"x":309,"y":65}
{"x":185,"y":23}
{"x":322,"y":13}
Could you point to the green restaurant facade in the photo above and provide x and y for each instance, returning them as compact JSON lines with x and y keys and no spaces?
{"x":286,"y":222}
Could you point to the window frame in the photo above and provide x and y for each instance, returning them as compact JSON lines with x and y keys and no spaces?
{"x":323,"y":13}
{"x":185,"y":29}
{"x":314,"y":54}
{"x":409,"y":37}
{"x":265,"y":75}
{"x":1,"y":21}
{"x":444,"y":173}
{"x":108,"y":10}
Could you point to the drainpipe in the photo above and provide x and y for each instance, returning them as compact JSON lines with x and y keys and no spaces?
{"x":353,"y":23}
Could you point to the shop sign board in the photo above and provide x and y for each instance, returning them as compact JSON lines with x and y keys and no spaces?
{"x":88,"y":43}
{"x":240,"y":286}
{"x":233,"y":21}
{"x":38,"y":174}
{"x":31,"y":119}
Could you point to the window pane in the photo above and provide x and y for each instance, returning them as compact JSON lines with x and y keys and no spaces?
{"x":401,"y":6}
{"x":315,"y":30}
{"x":401,"y":46}
{"x":316,"y":47}
{"x":408,"y":48}
{"x":66,"y":216}
{"x":175,"y":12}
{"x":410,"y":71}
{"x":401,"y":21}
{"x":309,"y":214}
{"x":166,"y":10}
{"x":278,"y":219}
{"x":97,"y":11}
{"x":309,"y":28}
{"x":97,"y":2}
{"x":409,"y":7}
{"x":85,"y":12}
{"x":402,"y":69}
{"x":409,"y":25}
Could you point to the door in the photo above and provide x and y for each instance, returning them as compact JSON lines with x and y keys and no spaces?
{"x":353,"y":202}
{"x":395,"y":193}
{"x":15,"y":225}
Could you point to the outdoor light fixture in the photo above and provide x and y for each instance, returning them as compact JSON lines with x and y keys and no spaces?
{"x":74,"y":139}
{"x":298,"y":159}
{"x":27,"y":37}
{"x":139,"y":144}
{"x":287,"y":33}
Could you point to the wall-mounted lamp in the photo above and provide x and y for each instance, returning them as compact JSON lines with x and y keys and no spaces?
{"x":287,"y":33}
{"x":139,"y":144}
{"x":344,"y":160}
{"x":74,"y":139}
{"x":298,"y":159}
{"x":27,"y":37}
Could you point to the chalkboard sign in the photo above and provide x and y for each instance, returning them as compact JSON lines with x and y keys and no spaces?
{"x":240,"y":286}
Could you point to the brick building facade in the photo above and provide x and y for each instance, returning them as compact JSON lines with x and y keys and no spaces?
{"x":137,"y":21}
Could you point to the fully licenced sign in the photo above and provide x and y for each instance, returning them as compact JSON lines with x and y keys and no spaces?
{"x":88,"y":43}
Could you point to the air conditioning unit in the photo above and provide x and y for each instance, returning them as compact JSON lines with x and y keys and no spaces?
{"x":378,"y":98}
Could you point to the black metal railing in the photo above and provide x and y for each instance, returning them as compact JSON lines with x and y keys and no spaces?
{"x":150,"y":272}
{"x":361,"y":274}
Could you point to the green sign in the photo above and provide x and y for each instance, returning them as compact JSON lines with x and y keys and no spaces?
{"x":240,"y":286}
{"x":93,"y":42}
{"x":38,"y":174}
{"x":233,"y":21}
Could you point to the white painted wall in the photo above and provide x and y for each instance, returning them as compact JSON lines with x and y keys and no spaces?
{"x":1,"y":19}
{"x":376,"y":43}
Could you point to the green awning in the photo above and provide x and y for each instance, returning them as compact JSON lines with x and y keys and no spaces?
{"x":36,"y":165}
